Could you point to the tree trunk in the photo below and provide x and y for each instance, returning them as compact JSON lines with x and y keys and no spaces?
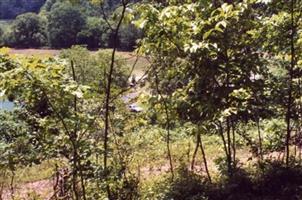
{"x":75,"y":172}
{"x":223,"y":140}
{"x":229,"y":158}
{"x":108,"y":94}
{"x":234,"y":143}
{"x":12,"y":188}
{"x":290,"y":98}
{"x":204,"y":158}
{"x":195,"y":152}
{"x":82,"y":181}
{"x":259,"y":140}
{"x":167,"y":126}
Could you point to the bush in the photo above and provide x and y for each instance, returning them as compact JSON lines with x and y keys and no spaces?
{"x":280,"y":182}
{"x":186,"y":186}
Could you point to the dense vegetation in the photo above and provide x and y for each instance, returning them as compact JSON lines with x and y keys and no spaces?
{"x":222,"y":102}
{"x":61,"y":24}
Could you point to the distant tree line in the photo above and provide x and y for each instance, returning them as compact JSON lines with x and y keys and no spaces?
{"x":61,"y":24}
{"x":9,"y":9}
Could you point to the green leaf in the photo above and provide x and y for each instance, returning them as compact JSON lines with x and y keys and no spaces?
{"x":207,"y":34}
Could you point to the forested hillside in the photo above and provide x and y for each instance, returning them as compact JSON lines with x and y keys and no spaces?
{"x":9,"y":9}
{"x":205,"y":104}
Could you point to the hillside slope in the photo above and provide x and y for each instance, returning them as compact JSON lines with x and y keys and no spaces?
{"x":9,"y":9}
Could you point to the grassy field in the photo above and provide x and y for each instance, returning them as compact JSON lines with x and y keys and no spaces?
{"x":129,"y":57}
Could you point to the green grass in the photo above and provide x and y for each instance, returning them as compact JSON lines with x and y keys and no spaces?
{"x":141,"y":64}
{"x":33,"y":173}
{"x":36,"y":172}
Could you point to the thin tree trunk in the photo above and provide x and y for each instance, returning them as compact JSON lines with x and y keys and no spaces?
{"x":12,"y":188}
{"x":82,"y":182}
{"x":290,"y":98}
{"x":234,"y":143}
{"x":204,"y":158}
{"x":108,"y":95}
{"x":189,"y":151}
{"x":74,"y":141}
{"x":227,"y":83}
{"x":223,"y":140}
{"x":75,"y":171}
{"x":229,"y":158}
{"x":195,"y":152}
{"x":168,"y":142}
{"x":299,"y":120}
{"x":260,"y":140}
{"x":167,"y":127}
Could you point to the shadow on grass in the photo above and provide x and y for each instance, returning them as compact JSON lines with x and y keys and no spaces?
{"x":271,"y":181}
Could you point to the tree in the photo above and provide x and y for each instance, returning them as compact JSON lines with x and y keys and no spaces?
{"x":282,"y":25}
{"x":129,"y":35}
{"x":93,"y":33}
{"x":90,"y":68}
{"x":28,"y":30}
{"x":64,"y":23}
{"x":205,"y":65}
{"x":62,"y":101}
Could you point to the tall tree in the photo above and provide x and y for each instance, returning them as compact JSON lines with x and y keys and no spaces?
{"x":64,"y":23}
{"x":205,"y":60}
{"x":28,"y":30}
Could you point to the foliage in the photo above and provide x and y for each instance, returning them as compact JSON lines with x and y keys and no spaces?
{"x":56,"y":90}
{"x":64,"y":23}
{"x":90,"y":68}
{"x":129,"y":35}
{"x":280,"y":179}
{"x":222,"y":105}
{"x":17,"y":141}
{"x":93,"y":34}
{"x":28,"y":30}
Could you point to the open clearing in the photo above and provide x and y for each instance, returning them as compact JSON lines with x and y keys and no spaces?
{"x":129,"y":57}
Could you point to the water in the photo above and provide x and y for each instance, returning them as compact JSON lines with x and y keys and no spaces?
{"x":6,"y":105}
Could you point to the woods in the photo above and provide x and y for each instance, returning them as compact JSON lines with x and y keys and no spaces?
{"x":61,"y":24}
{"x":218,"y":84}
